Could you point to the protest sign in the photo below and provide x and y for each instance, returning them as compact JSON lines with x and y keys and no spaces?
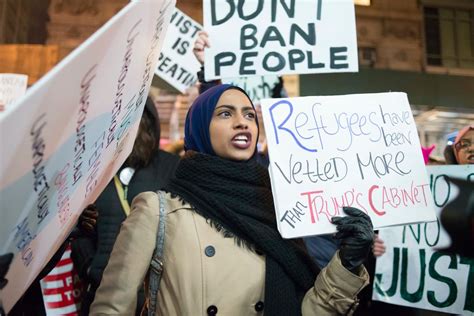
{"x":70,"y":133}
{"x":257,"y":37}
{"x":12,"y":86}
{"x":412,"y":273}
{"x":177,"y":64}
{"x":62,"y":288}
{"x":257,"y":87}
{"x":357,"y":150}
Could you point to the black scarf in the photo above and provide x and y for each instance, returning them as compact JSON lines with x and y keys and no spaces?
{"x":237,"y":197}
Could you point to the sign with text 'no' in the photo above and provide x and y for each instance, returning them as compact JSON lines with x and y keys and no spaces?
{"x":68,"y":135}
{"x":357,"y":150}
{"x":412,"y":273}
{"x":260,"y":37}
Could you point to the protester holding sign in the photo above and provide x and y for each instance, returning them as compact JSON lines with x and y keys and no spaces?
{"x":147,"y":168}
{"x":222,"y":253}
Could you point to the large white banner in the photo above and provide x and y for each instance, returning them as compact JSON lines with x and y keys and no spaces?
{"x":358,"y":150}
{"x":177,"y":64}
{"x":69,"y":134}
{"x":258,"y":37}
{"x":412,"y":273}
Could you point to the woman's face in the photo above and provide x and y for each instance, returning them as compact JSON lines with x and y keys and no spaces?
{"x":465,"y":148}
{"x":233,"y":129}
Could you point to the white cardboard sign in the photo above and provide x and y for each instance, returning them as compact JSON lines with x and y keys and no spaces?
{"x":357,"y":150}
{"x":177,"y":64}
{"x":259,"y":37}
{"x":12,"y":86}
{"x":69,"y":134}
{"x":412,"y":273}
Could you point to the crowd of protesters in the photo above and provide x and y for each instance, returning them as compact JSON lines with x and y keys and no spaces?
{"x":197,"y":235}
{"x":220,"y":251}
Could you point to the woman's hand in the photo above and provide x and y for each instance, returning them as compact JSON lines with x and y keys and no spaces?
{"x":356,"y":234}
{"x":379,"y":247}
{"x":200,"y":44}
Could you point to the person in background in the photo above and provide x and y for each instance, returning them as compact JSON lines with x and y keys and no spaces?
{"x":321,"y":248}
{"x":464,"y":146}
{"x":321,"y":253}
{"x":146,"y":169}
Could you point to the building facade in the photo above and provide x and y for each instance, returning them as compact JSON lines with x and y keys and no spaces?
{"x":422,"y":47}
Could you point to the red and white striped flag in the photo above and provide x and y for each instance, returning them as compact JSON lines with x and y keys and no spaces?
{"x":62,"y":288}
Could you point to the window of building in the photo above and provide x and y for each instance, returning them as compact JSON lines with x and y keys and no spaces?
{"x":449,"y":36}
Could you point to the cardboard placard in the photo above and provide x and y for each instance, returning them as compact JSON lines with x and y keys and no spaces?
{"x":12,"y":87}
{"x":412,"y":272}
{"x":258,"y":37}
{"x":358,"y":150}
{"x":177,"y":64}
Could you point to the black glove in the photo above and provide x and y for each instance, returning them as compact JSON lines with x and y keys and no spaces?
{"x":356,"y":235}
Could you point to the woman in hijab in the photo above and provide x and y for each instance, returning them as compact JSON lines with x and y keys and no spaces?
{"x":222,"y":252}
